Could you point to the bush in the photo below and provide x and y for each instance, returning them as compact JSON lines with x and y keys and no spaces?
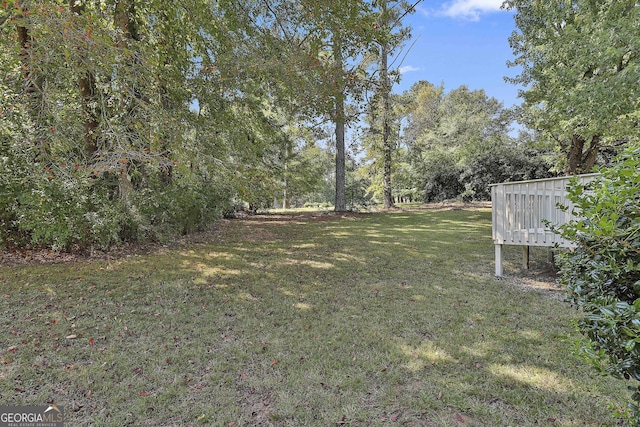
{"x":357,"y":195}
{"x":447,"y":177}
{"x":602,"y":275}
{"x":506,"y":165}
{"x":183,"y":209}
{"x":10,"y":188}
{"x":443,"y":185}
{"x":63,"y":212}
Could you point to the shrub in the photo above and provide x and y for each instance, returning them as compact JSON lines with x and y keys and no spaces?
{"x":602,"y":275}
{"x":446,"y":176}
{"x":506,"y":165}
{"x":63,"y":211}
{"x":442,"y":183}
{"x":183,"y":208}
{"x":357,"y":194}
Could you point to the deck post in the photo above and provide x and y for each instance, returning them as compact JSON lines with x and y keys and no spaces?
{"x":498,"y":260}
{"x":525,"y":257}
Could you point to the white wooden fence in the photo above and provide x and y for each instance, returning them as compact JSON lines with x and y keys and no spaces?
{"x":521,"y":209}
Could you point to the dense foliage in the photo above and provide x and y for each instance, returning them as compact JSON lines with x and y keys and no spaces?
{"x":603,"y":274}
{"x":115,"y":123}
{"x":127,"y":120}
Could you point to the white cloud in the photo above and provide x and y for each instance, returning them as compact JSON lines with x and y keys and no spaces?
{"x":470,"y":9}
{"x":408,"y":69}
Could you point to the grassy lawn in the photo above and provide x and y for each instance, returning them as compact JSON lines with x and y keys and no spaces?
{"x":302,"y":320}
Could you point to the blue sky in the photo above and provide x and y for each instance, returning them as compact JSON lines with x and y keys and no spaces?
{"x":461,"y":42}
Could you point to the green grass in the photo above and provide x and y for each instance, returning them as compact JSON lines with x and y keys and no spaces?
{"x":374,"y":319}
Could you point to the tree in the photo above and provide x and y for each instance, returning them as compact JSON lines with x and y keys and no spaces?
{"x":295,"y":163}
{"x":346,"y":28}
{"x":452,"y":138}
{"x":307,"y":174}
{"x":420,"y":109}
{"x":327,"y":44}
{"x":422,"y":102}
{"x":579,"y":63}
{"x":87,"y":89}
{"x":470,"y":121}
{"x":382,"y":123}
{"x":391,"y":37}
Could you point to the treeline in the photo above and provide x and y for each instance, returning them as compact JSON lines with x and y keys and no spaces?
{"x":126,"y":120}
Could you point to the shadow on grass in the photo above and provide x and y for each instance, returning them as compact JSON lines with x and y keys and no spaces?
{"x":373,"y":319}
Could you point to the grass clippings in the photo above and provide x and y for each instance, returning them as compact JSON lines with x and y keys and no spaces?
{"x":373,"y":319}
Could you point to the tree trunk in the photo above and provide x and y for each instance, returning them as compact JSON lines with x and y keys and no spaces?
{"x":385,"y":88}
{"x":581,"y":161}
{"x":87,"y":88}
{"x":33,"y":81}
{"x":124,"y":11}
{"x":166,"y":172}
{"x":340,"y":201}
{"x":123,"y":14}
{"x":125,"y":188}
{"x":574,"y":156}
{"x":591,"y":156}
{"x":284,"y":192}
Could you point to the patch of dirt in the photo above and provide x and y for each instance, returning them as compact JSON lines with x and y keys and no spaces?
{"x":538,"y":281}
{"x":528,"y":283}
{"x":46,"y":256}
{"x":259,"y":406}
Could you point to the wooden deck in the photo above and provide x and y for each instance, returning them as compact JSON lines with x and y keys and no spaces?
{"x":521,"y":212}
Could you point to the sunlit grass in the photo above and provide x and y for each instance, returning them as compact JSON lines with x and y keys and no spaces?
{"x":534,"y":376}
{"x":380,"y":319}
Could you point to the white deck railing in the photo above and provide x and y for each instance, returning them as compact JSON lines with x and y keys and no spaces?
{"x":520,"y":211}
